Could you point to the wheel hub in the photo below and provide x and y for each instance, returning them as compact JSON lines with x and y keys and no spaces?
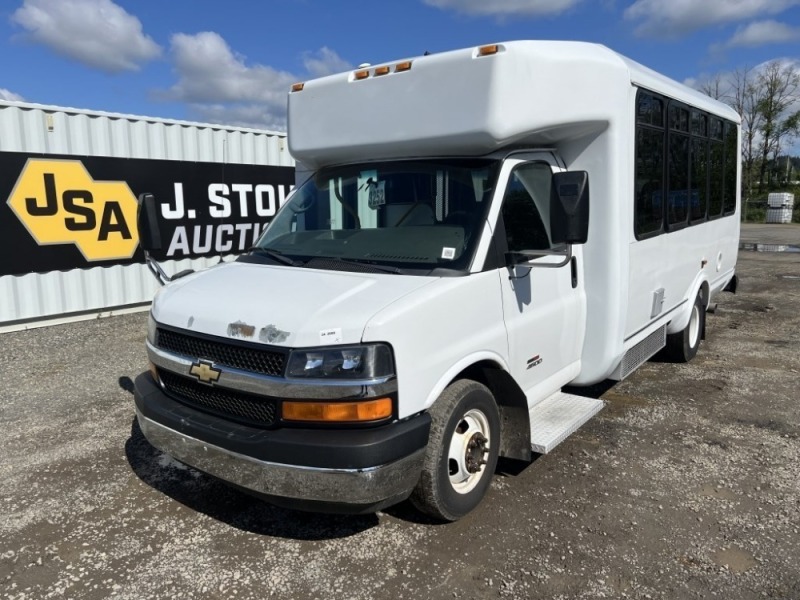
{"x":476,"y":449}
{"x":468,"y":449}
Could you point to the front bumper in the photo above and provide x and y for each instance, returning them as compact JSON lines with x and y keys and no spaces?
{"x":341,"y":470}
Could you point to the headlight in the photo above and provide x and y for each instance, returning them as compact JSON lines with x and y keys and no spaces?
{"x":370,"y":361}
{"x":151,"y":329}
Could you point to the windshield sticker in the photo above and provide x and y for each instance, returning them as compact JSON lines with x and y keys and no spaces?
{"x":448,"y":253}
{"x":377,"y":193}
{"x":330,"y":336}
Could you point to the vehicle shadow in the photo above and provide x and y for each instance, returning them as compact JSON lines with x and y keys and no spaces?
{"x":212,"y":497}
{"x":591,"y":391}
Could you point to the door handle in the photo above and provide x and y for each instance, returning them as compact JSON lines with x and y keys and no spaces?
{"x":573,"y":266}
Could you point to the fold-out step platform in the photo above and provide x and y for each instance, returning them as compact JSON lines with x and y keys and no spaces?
{"x":556,"y":417}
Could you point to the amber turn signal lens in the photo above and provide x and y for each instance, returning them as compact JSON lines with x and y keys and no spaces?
{"x":338,"y":412}
{"x":153,"y":371}
{"x":298,"y":87}
{"x":487,"y":50}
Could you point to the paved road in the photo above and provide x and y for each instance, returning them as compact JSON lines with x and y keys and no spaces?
{"x":686,"y":486}
{"x":771,"y":234}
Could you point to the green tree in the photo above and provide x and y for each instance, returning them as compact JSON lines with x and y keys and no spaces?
{"x":779,"y":85}
{"x":746,"y":98}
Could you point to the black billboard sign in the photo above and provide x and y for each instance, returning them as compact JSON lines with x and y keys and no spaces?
{"x":59,"y":213}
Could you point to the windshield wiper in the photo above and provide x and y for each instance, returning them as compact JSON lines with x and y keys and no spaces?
{"x":359,"y":266}
{"x":276,"y":255}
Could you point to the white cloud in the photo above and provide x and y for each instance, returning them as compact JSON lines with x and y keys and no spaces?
{"x":505,"y":8}
{"x":9,"y":95}
{"x":97,"y":33}
{"x":761,"y":33}
{"x":255,"y":116}
{"x":221,"y":87}
{"x":210,"y":72}
{"x":324,"y":62}
{"x":672,"y":18}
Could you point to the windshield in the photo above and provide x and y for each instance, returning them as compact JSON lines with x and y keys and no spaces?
{"x":404,"y":215}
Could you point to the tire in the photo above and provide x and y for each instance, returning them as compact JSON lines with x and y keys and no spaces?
{"x":462,"y":451}
{"x":682,"y":346}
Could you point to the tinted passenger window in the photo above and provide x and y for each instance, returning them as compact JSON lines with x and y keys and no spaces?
{"x":699,"y":198}
{"x":650,"y":110}
{"x":729,"y":201}
{"x":686,"y":165}
{"x":717,"y":165}
{"x":649,"y":180}
{"x":699,"y":124}
{"x":678,"y":167}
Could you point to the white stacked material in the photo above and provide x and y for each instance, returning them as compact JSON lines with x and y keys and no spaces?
{"x":782,"y":214}
{"x":781,"y":200}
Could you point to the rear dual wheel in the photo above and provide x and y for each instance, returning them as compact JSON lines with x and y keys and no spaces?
{"x":462,"y":451}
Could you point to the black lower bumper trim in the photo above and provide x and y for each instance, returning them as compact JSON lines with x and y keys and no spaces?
{"x":317,"y":448}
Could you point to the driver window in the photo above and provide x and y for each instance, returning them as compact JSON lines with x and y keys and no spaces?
{"x":526,"y":208}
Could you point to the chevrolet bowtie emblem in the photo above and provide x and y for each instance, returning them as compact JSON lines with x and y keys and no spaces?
{"x":205,"y":372}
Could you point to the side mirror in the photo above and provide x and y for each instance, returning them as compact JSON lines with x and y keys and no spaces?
{"x":150,"y":237}
{"x":569,"y":207}
{"x":147,"y":223}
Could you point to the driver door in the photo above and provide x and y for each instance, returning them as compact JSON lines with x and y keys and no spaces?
{"x":544,"y":305}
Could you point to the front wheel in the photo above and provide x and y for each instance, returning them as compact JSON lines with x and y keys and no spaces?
{"x":682,"y":346}
{"x":462,"y":451}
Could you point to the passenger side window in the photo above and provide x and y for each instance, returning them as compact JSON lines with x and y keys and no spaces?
{"x":526,"y":208}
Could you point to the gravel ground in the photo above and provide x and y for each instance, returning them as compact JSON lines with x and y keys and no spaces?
{"x":687,"y":485}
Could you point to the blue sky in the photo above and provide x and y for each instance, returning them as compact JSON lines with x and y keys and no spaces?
{"x":232,"y":62}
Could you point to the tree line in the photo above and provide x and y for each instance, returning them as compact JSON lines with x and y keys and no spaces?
{"x":768,"y":99}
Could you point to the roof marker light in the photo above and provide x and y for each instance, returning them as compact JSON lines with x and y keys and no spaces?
{"x":403,"y":66}
{"x":298,"y":87}
{"x":381,"y":71}
{"x":488,"y":50}
{"x":363,"y":74}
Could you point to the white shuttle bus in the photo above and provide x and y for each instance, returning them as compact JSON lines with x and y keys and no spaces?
{"x":419,"y":302}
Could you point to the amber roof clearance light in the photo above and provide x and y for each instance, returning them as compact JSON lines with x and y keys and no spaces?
{"x":488,"y":50}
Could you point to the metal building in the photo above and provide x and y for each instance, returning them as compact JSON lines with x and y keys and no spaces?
{"x":48,"y":276}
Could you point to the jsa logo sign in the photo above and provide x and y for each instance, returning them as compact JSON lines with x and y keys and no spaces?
{"x":60,"y":203}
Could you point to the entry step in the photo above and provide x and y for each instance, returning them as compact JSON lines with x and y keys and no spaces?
{"x":556,"y":417}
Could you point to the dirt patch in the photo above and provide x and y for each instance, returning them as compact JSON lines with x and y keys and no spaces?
{"x":734,"y":559}
{"x":712,"y":491}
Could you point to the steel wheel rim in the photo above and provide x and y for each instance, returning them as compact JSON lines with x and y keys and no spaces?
{"x":473,"y":426}
{"x":694,"y":327}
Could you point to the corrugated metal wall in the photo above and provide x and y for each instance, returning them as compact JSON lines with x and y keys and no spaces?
{"x":24,"y":128}
{"x":27,"y":300}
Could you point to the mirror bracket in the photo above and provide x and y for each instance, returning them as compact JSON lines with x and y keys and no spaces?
{"x":513,"y":260}
{"x":155,"y":268}
{"x":150,"y":238}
